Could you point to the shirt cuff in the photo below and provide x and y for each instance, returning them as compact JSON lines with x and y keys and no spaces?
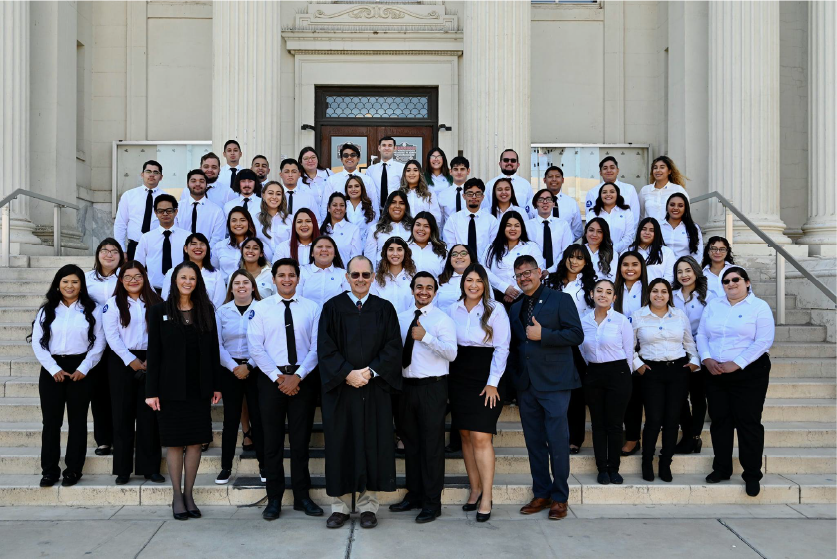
{"x":301,"y":372}
{"x":54,"y":369}
{"x":273,"y":375}
{"x":83,"y":368}
{"x":428,"y":338}
{"x":741,"y":361}
{"x":638,"y":363}
{"x":705,"y":357}
{"x":129,"y":357}
{"x":494,"y":379}
{"x":374,"y":373}
{"x":694,"y":360}
{"x":230,"y":365}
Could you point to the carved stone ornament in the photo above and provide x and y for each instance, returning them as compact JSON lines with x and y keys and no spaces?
{"x":341,"y":16}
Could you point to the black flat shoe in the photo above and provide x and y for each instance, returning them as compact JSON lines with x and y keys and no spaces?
{"x":404,"y":505}
{"x":103,"y":450}
{"x":632,"y":451}
{"x":309,"y":507}
{"x":483,"y":517}
{"x":603,"y":478}
{"x":123,"y":479}
{"x":615,"y":478}
{"x":70,"y":479}
{"x":752,"y":487}
{"x":157,"y":478}
{"x":474,"y":506}
{"x":428,"y":515}
{"x":714,"y":477}
{"x":48,"y":481}
{"x":204,"y":447}
{"x":574,"y":450}
{"x":194,"y":513}
{"x":182,"y":516}
{"x":273,"y":509}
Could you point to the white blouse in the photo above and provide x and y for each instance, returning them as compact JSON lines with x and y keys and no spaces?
{"x":438,"y":183}
{"x":449,"y":292}
{"x":740,"y":333}
{"x":677,"y":239}
{"x":426,"y":260}
{"x":347,"y":237}
{"x":663,"y":339}
{"x":469,"y":332}
{"x":396,"y":290}
{"x":663,"y":270}
{"x":597,"y":264}
{"x":713,"y":281}
{"x":621,"y":222}
{"x":232,"y":333}
{"x":124,"y":340}
{"x":501,"y":272}
{"x":356,"y":216}
{"x":692,"y":308}
{"x":317,"y":184}
{"x":375,"y":244}
{"x":215,"y":282}
{"x":575,"y":290}
{"x":226,"y":258}
{"x":652,"y":201}
{"x":69,"y":337}
{"x":283,"y":251}
{"x":280,"y":230}
{"x":608,"y":341}
{"x":100,"y":289}
{"x":321,"y":284}
{"x":631,"y":299}
{"x":512,"y":207}
{"x":264,"y":281}
{"x":419,"y":204}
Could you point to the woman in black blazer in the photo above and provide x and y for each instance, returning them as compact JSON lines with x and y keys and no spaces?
{"x":183,"y":378}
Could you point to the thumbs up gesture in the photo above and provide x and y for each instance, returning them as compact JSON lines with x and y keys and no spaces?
{"x":418,"y":331}
{"x":533,"y":331}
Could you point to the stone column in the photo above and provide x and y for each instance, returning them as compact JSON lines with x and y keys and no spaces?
{"x":744,"y":115}
{"x":14,"y":118}
{"x":821,"y":227}
{"x":495,"y":86}
{"x":247,"y":45}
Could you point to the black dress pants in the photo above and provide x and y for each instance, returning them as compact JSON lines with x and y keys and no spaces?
{"x":664,"y":386}
{"x":100,"y":400}
{"x":692,"y":418}
{"x":75,"y":395}
{"x":608,"y":390}
{"x":576,"y":413}
{"x":299,"y":410}
{"x":133,"y":421}
{"x":633,"y":414}
{"x":234,"y":391}
{"x":423,"y":404}
{"x":736,"y":401}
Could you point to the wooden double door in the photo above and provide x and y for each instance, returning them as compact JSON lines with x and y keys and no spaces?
{"x":411,"y":142}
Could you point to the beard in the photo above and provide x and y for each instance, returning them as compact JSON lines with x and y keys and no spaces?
{"x":508,"y":172}
{"x":210,"y":180}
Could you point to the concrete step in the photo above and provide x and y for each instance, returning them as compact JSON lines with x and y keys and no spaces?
{"x":796,"y":316}
{"x":790,"y":301}
{"x":17,"y":313}
{"x":803,"y":350}
{"x":17,"y":298}
{"x":14,"y":332}
{"x":53,"y":262}
{"x":801,"y":367}
{"x":34,"y":287}
{"x":800,"y":333}
{"x":9,"y":349}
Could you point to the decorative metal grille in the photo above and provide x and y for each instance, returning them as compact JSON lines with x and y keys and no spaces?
{"x":392,"y":107}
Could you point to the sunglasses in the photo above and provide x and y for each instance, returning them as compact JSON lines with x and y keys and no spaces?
{"x":509,"y":160}
{"x":735,"y":280}
{"x":356,"y":275}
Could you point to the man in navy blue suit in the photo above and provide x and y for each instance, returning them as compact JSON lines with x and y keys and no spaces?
{"x":545,"y":326}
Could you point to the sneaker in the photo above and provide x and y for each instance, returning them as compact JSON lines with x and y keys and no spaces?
{"x":223,"y":476}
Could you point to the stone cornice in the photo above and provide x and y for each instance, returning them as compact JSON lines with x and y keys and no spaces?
{"x":368,"y":42}
{"x":337,"y":17}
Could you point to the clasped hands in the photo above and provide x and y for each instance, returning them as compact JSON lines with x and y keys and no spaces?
{"x":357,"y":378}
{"x":289,"y":384}
{"x":716,"y":368}
{"x":61,"y":375}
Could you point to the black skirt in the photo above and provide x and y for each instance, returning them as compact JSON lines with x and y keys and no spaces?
{"x":468,"y":377}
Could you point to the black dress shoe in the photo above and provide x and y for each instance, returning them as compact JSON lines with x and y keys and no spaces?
{"x":309,"y":507}
{"x":483,"y":517}
{"x":603,"y":478}
{"x":474,"y":506}
{"x":428,"y":515}
{"x":123,"y":479}
{"x":453,"y":448}
{"x":615,"y":477}
{"x":368,"y":520}
{"x":182,"y":516}
{"x":714,"y":477}
{"x":400,"y":451}
{"x":48,"y":481}
{"x":156,"y":478}
{"x":665,"y":472}
{"x":752,"y":487}
{"x":336,"y":520}
{"x":404,"y":505}
{"x":194,"y":513}
{"x":273,"y":509}
{"x":103,"y":450}
{"x":574,"y":450}
{"x":70,"y":479}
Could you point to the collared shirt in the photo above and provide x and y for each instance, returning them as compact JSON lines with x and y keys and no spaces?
{"x":375,"y":242}
{"x":522,"y":192}
{"x":608,"y":341}
{"x":692,"y":308}
{"x":396,"y":290}
{"x":254,"y":205}
{"x":218,"y":194}
{"x":317,"y":184}
{"x":449,"y":292}
{"x":653,"y":201}
{"x":664,"y":269}
{"x":420,"y":204}
{"x":456,"y":228}
{"x":150,"y":252}
{"x":321,"y":284}
{"x":264,"y":281}
{"x":356,"y":216}
{"x":347,"y":237}
{"x":69,"y":337}
{"x":740,"y":333}
{"x":677,"y":239}
{"x":439,"y":182}
{"x":337,"y":183}
{"x":268,"y":343}
{"x":432,"y":354}
{"x":501,"y":272}
{"x":232,"y":333}
{"x":469,"y":332}
{"x":575,"y":290}
{"x":512,"y":208}
{"x":663,"y":339}
{"x":527,"y":304}
{"x":226,"y":258}
{"x":355,"y":299}
{"x":595,"y":257}
{"x":631,"y":299}
{"x":620,"y":221}
{"x":124,"y":340}
{"x":283,"y":251}
{"x":279,"y":231}
{"x":447,"y":201}
{"x":713,"y":281}
{"x":394,"y":171}
{"x":211,"y":218}
{"x":628,"y":192}
{"x":224,"y":180}
{"x":304,"y":197}
{"x":559,"y":231}
{"x":426,"y":260}
{"x":127,"y":226}
{"x":569,"y":212}
{"x":101,"y":288}
{"x":214,"y":281}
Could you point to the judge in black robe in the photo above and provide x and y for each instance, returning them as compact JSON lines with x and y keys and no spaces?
{"x":359,"y":343}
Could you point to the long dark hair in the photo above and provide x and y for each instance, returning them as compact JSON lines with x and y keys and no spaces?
{"x":384,"y":224}
{"x":588,"y":274}
{"x":495,"y":205}
{"x":302,"y":152}
{"x":620,"y":201}
{"x":605,"y":247}
{"x":487,"y":302}
{"x":448,"y":271}
{"x":383,"y":264}
{"x":365,"y":201}
{"x":688,"y":222}
{"x":294,"y":242}
{"x":714,"y":239}
{"x":665,"y":283}
{"x":207,"y":259}
{"x":203,"y":312}
{"x":428,"y":174}
{"x":498,"y":247}
{"x":619,"y":285}
{"x":438,"y":246}
{"x":262,"y":261}
{"x":325,"y":227}
{"x":423,"y":188}
{"x":337,"y":261}
{"x":701,"y":282}
{"x":655,"y":250}
{"x":148,"y":296}
{"x":97,"y":264}
{"x":54,"y":298}
{"x":251,"y":228}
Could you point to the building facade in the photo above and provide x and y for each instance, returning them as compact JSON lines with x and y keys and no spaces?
{"x":741,"y":95}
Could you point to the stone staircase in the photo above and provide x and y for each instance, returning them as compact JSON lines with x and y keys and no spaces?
{"x":800,"y":459}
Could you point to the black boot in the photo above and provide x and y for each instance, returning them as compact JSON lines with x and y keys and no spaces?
{"x":648,"y":469}
{"x":664,"y":469}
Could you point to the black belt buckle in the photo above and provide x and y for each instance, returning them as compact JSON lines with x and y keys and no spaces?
{"x":287,"y":370}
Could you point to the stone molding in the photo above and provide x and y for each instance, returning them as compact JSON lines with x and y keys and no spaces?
{"x":375,"y":17}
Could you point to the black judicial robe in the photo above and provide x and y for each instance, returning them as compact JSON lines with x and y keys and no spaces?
{"x":359,"y":438}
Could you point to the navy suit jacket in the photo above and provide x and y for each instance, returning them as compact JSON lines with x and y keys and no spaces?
{"x":546,"y":364}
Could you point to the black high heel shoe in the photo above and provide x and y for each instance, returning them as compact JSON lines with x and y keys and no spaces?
{"x":483,"y":517}
{"x":474,"y":506}
{"x":248,"y":446}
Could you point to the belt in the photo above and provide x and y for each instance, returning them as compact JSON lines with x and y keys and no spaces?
{"x":240,"y":361}
{"x":287,"y":370}
{"x":668,"y":363}
{"x":424,"y":380}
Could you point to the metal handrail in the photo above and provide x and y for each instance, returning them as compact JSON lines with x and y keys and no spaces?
{"x":781,"y":254}
{"x":6,"y":223}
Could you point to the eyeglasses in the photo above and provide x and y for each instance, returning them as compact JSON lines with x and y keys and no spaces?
{"x":435,"y":157}
{"x":165,"y":211}
{"x":135,"y":278}
{"x":473,"y":195}
{"x":455,"y":254}
{"x":509,"y":160}
{"x":309,"y":159}
{"x":525,"y":274}
{"x":717,"y":249}
{"x":150,"y":172}
{"x":356,"y":275}
{"x":544,"y":200}
{"x":349,"y":156}
{"x":735,"y":280}
{"x":109,"y":252}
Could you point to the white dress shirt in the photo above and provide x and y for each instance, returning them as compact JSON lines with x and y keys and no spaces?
{"x":419,"y":204}
{"x":101,"y":288}
{"x":663,"y":339}
{"x":597,"y":264}
{"x":283,"y":251}
{"x":232,"y":333}
{"x":394,"y":171}
{"x":740,"y":333}
{"x":280,"y":230}
{"x":677,"y":239}
{"x":449,"y":292}
{"x":396,"y":290}
{"x":224,"y":180}
{"x":692,"y":308}
{"x":631,"y":300}
{"x":469,"y":332}
{"x":218,"y":194}
{"x":653,"y":201}
{"x":124,"y":340}
{"x":337,"y":183}
{"x":317,"y":184}
{"x":226,"y":258}
{"x":127,"y":225}
{"x":432,"y":354}
{"x":569,"y":212}
{"x":264,"y":281}
{"x":456,"y":229}
{"x":321,"y":284}
{"x":355,"y":215}
{"x":620,"y":221}
{"x":447,"y":201}
{"x":713,"y":281}
{"x":305,"y":197}
{"x":347,"y":237}
{"x":375,"y":242}
{"x":501,"y":272}
{"x":512,"y":208}
{"x":522,"y":192}
{"x":608,"y":341}
{"x":268,"y":343}
{"x":426,"y":260}
{"x":575,"y":290}
{"x":254,"y":205}
{"x":150,"y":252}
{"x":212,"y":221}
{"x":69,"y":337}
{"x":628,"y":192}
{"x":438,"y":182}
{"x":214,"y":281}
{"x":560,"y":233}
{"x":662,"y":270}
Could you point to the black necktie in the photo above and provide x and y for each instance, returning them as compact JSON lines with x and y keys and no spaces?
{"x":146,"y":218}
{"x":472,"y":234}
{"x":384,"y":185}
{"x":195,"y":217}
{"x":458,"y":199}
{"x":555,"y":212}
{"x":166,"y":251}
{"x":407,"y":353}
{"x":547,"y":244}
{"x":291,"y":202}
{"x":233,"y":171}
{"x":246,"y":201}
{"x":289,"y":333}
